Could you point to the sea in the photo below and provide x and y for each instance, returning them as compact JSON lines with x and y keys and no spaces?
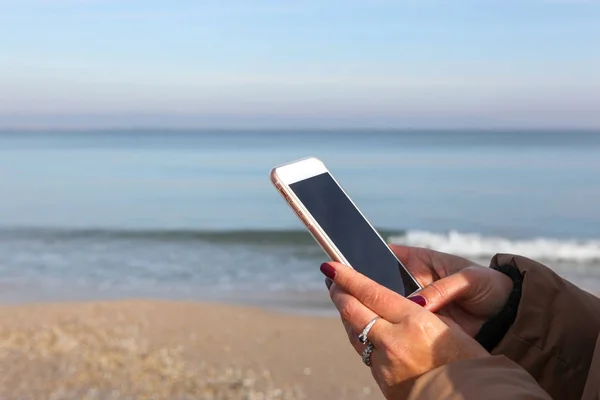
{"x":192,"y":215}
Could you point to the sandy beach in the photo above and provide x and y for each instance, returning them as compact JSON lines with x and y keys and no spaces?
{"x":174,"y":350}
{"x":190,"y":216}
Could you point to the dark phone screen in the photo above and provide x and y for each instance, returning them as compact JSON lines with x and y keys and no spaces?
{"x":351,"y":233}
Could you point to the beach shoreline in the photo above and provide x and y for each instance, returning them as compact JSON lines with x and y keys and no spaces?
{"x":143,"y":348}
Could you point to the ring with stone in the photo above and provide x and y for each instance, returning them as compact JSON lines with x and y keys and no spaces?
{"x":366,"y":354}
{"x":363,"y":336}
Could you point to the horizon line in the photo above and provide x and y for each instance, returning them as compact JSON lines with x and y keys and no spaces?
{"x":204,"y":129}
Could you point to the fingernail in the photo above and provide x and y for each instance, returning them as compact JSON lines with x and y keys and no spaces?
{"x":328,"y":282}
{"x":328,"y":271}
{"x":420,"y":300}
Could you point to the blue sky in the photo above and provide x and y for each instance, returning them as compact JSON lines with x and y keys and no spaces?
{"x":526,"y":63}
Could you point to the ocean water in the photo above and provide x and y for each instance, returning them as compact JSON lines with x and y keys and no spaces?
{"x":192,"y":214}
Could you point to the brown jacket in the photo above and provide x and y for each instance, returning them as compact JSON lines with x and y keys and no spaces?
{"x":552,"y":351}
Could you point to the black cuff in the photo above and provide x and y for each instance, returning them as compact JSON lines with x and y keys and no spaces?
{"x":492,"y":332}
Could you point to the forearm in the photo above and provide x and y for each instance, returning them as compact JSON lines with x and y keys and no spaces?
{"x":554,"y":333}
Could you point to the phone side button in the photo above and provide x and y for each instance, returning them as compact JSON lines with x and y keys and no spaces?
{"x":303,"y":219}
{"x":299,"y":214}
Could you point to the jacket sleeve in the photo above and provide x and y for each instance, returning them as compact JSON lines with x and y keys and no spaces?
{"x":554,"y":334}
{"x":490,"y":378}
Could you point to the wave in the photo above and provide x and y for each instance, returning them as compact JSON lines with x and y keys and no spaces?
{"x":477,"y":246}
{"x":255,"y":237}
{"x":470,"y":245}
{"x":232,"y":236}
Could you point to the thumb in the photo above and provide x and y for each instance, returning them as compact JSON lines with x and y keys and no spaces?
{"x":444,"y":291}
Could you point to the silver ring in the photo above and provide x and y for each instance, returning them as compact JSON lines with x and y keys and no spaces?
{"x":363,"y":336}
{"x":366,"y":354}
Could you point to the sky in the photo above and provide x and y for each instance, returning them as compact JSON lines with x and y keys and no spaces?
{"x":300,"y":63}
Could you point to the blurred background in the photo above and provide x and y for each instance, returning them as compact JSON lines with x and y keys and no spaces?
{"x":137,"y":137}
{"x":136,"y":211}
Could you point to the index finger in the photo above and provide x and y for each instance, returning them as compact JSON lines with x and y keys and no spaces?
{"x":379,"y":299}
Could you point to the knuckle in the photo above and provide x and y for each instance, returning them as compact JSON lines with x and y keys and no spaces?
{"x":371,"y":297}
{"x":347,"y":311}
{"x":438,"y":290}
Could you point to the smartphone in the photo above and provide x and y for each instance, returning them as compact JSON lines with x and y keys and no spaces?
{"x":337,"y":224}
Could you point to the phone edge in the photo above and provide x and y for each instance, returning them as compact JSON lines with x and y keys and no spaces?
{"x":307,"y":219}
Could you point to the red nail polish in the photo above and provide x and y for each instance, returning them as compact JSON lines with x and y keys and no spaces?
{"x":328,"y":271}
{"x":328,"y":283}
{"x":420,"y":300}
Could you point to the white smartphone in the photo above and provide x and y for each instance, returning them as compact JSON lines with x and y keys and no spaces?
{"x":337,"y":224}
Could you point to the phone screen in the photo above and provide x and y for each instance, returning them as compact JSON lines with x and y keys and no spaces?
{"x":352,"y":234}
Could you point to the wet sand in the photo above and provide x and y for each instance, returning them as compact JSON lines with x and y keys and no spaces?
{"x":175,"y":350}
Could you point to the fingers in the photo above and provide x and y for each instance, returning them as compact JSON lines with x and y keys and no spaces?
{"x":446,"y":290}
{"x":443,"y":264}
{"x":402,"y":252}
{"x":356,"y":317}
{"x":378,"y":298}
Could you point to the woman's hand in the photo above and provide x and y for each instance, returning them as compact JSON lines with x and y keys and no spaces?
{"x":408,"y":340}
{"x":454,"y":287}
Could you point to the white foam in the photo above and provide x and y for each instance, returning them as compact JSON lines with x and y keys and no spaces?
{"x":473,"y":245}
